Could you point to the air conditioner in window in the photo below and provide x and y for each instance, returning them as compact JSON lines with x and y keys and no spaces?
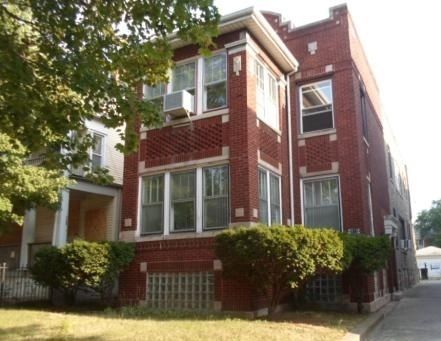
{"x":179,"y":104}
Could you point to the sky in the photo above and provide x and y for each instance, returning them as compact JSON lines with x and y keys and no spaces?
{"x":402,"y":41}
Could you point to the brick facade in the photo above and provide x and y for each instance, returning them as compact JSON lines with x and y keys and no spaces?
{"x":245,"y":142}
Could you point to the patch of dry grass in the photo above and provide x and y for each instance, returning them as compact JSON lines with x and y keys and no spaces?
{"x":26,"y":324}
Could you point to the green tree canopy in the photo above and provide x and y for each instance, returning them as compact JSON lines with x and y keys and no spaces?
{"x":428,"y":223}
{"x":64,"y":62}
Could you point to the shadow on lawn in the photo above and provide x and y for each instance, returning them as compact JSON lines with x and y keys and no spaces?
{"x":33,"y":332}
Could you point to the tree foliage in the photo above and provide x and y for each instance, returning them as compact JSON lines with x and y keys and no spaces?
{"x":428,"y":223}
{"x":65,"y":62}
{"x":279,"y":257}
{"x":23,"y":185}
{"x":80,"y":265}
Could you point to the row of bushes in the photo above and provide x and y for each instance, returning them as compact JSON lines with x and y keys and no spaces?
{"x":274,"y":258}
{"x":283,"y":257}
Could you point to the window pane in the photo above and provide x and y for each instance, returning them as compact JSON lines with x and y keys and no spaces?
{"x":321,"y":203}
{"x":216,"y":198}
{"x":275,"y":199}
{"x":318,"y":122}
{"x":152,"y":204}
{"x":263,"y":197}
{"x":96,"y":161}
{"x":216,"y":95}
{"x":215,"y":69}
{"x":154,"y":91}
{"x":184,"y":77}
{"x":317,"y":94}
{"x":98,"y":144}
{"x":183,"y":201}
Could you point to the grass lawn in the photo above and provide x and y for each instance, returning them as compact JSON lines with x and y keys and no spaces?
{"x":32,"y":324}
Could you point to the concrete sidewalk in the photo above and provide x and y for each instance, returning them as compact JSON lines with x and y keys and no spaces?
{"x":417,"y":317}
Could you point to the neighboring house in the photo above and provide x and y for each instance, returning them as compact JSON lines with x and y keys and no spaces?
{"x":399,"y":223}
{"x":429,"y":258}
{"x":285,"y":126}
{"x":88,"y":211}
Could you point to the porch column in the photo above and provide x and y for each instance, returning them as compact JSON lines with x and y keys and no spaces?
{"x":27,"y":236}
{"x":59,"y":236}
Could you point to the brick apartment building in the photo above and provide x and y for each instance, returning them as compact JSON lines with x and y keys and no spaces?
{"x":285,"y":127}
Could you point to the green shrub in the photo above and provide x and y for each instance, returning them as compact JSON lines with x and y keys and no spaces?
{"x":278,"y":257}
{"x":363,"y":256}
{"x":80,"y":265}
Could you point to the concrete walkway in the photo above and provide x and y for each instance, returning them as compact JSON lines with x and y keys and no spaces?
{"x":417,"y":317}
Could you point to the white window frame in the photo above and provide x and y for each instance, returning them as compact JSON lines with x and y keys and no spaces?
{"x":319,"y":178}
{"x":167,"y":197}
{"x":301,"y":105}
{"x":142,"y":204}
{"x":204,"y":228}
{"x":204,"y":85}
{"x":195,"y":201}
{"x":265,"y":116}
{"x":103,"y":149}
{"x":268,"y":194}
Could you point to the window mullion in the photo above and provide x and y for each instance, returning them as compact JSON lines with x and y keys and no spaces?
{"x":199,"y":200}
{"x":199,"y":90}
{"x":167,"y":198}
{"x":268,"y":197}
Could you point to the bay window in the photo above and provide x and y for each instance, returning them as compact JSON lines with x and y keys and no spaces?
{"x":216,"y":198}
{"x":269,"y":198}
{"x":321,"y":203}
{"x":266,"y":96}
{"x":215,"y":82}
{"x":183,"y":199}
{"x":152,"y":204}
{"x":189,"y":201}
{"x":316,"y":106}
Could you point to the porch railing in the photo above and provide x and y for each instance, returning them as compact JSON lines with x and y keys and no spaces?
{"x":18,"y":286}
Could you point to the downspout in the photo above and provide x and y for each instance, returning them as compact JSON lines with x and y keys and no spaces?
{"x":290,"y":159}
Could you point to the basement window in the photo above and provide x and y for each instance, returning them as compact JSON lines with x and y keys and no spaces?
{"x":180,"y":290}
{"x":325,"y":289}
{"x":316,"y":106}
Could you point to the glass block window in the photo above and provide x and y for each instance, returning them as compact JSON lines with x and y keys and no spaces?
{"x":325,"y":289}
{"x":152,"y":204}
{"x":181,"y":290}
{"x":183,"y":201}
{"x":321,"y":201}
{"x":317,"y":106}
{"x":215,"y":81}
{"x":216,"y":197}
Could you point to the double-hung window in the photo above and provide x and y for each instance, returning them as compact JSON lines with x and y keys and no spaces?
{"x":266,"y":96}
{"x":184,"y":77}
{"x":269,"y":198}
{"x":97,"y":151}
{"x":183,"y":202}
{"x":155,"y":94}
{"x":316,"y":106}
{"x":321,"y":203}
{"x":216,"y":198}
{"x":152,"y":204}
{"x":215,"y":82}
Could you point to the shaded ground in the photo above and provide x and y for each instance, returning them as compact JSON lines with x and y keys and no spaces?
{"x":21,"y":324}
{"x":416,"y":317}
